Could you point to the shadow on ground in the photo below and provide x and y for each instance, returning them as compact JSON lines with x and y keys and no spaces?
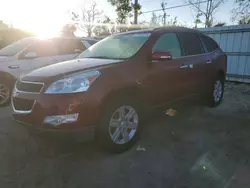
{"x":199,"y":147}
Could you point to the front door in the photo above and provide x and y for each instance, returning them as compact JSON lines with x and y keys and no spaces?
{"x":42,"y":55}
{"x":168,"y":80}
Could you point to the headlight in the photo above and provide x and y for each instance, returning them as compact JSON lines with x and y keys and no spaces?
{"x":75,"y":83}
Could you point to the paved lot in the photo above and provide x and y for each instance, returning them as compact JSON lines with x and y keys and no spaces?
{"x":199,"y":147}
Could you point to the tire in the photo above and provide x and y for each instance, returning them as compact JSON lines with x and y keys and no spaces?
{"x":217,"y":91}
{"x":117,"y":136}
{"x":5,"y":94}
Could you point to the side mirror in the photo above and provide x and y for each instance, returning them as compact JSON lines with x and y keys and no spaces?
{"x":30,"y":55}
{"x":161,"y":56}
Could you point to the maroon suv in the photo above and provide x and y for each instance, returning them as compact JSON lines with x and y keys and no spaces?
{"x":104,"y":92}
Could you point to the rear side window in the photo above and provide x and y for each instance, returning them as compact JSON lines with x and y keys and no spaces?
{"x":91,"y":42}
{"x":210,"y":44}
{"x":190,"y":43}
{"x":69,"y":46}
{"x":43,"y":49}
{"x":168,"y":43}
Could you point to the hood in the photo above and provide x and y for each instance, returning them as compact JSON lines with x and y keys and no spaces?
{"x":4,"y":59}
{"x":66,"y":68}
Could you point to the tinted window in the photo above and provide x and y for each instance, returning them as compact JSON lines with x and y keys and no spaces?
{"x":91,"y":42}
{"x":210,"y":44}
{"x":191,"y":44}
{"x":43,"y":49}
{"x":69,"y":46}
{"x":168,"y":43}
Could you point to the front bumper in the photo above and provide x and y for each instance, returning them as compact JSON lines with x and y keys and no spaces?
{"x":81,"y":135}
{"x":46,"y":106}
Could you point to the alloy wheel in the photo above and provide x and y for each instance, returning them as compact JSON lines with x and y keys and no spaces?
{"x":123,"y":124}
{"x":217,"y":91}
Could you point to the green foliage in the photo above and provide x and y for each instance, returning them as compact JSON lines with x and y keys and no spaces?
{"x":10,"y":35}
{"x":3,"y":25}
{"x":105,"y":27}
{"x":244,"y":20}
{"x":68,"y":30}
{"x":123,"y":8}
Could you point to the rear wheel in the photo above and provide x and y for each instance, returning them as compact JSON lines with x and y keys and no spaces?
{"x":218,"y":91}
{"x":5,"y":93}
{"x":119,"y":125}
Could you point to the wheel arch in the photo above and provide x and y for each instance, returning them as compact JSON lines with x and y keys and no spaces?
{"x":7,"y":77}
{"x":132,"y":92}
{"x":221,"y":73}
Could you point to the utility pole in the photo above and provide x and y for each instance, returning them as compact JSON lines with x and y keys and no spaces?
{"x":136,"y":12}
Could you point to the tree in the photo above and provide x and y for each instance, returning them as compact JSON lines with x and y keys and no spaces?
{"x":105,"y":27}
{"x":87,"y":18}
{"x":68,"y":30}
{"x":173,"y":22}
{"x":206,"y":11}
{"x":197,"y":20}
{"x":3,"y":25}
{"x":164,"y":16}
{"x":242,"y":12}
{"x":123,"y":9}
{"x":154,"y":21}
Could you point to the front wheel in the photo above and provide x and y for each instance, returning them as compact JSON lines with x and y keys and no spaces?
{"x":218,"y":91}
{"x":119,"y":126}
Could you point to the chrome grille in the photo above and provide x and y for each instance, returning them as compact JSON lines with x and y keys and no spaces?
{"x":31,"y":87}
{"x":22,"y":104}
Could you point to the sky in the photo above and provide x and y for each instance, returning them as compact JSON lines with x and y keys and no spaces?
{"x":46,"y":17}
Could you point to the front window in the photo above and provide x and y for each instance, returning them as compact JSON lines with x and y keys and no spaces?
{"x":117,"y":47}
{"x":16,"y":47}
{"x":168,"y":43}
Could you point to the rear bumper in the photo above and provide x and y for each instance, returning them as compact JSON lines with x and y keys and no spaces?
{"x":79,"y":134}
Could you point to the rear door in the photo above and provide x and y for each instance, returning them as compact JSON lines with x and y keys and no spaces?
{"x":168,"y":79}
{"x":68,"y":49}
{"x":194,"y":59}
{"x":212,"y":56}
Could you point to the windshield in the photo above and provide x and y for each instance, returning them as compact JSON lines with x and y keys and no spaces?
{"x":116,"y":47}
{"x":16,"y":47}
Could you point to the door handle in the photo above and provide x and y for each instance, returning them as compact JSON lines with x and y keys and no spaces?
{"x":184,"y":66}
{"x":209,"y":62}
{"x":13,"y":66}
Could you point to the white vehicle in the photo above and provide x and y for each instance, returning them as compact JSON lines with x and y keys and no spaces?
{"x":32,"y":53}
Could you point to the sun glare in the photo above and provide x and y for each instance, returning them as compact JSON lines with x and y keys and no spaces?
{"x":43,"y":18}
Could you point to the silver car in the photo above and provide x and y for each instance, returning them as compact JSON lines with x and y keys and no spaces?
{"x":32,"y":53}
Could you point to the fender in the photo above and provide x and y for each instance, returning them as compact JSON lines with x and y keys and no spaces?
{"x":7,"y":77}
{"x":10,"y":68}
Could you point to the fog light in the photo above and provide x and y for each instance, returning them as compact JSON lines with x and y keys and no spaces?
{"x":60,"y":119}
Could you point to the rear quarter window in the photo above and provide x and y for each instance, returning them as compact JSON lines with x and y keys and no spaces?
{"x":69,"y":46}
{"x":209,"y":43}
{"x":191,"y":44}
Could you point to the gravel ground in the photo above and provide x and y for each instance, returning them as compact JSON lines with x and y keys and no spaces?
{"x":199,"y":147}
